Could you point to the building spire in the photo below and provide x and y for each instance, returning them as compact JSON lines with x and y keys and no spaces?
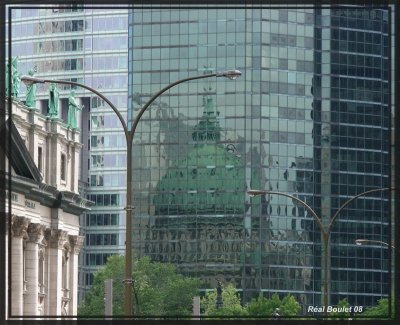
{"x":208,"y":128}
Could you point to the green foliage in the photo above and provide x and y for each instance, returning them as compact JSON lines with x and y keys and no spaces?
{"x":230,"y":303}
{"x":259,"y":306}
{"x":262,"y":306}
{"x":159,"y":289}
{"x":344,"y":305}
{"x":94,"y":299}
{"x":381,"y":310}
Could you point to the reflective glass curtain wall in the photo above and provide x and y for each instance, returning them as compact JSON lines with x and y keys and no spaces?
{"x":312,"y":101}
{"x":264,"y":137}
{"x":352,"y":122}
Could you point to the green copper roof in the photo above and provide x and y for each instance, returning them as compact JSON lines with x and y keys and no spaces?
{"x":210,"y":180}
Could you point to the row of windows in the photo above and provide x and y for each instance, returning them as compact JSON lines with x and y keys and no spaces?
{"x":114,"y":42}
{"x":284,"y":88}
{"x":102,"y":219}
{"x":54,"y":46}
{"x":44,"y":88}
{"x":59,"y":65}
{"x":354,"y":107}
{"x":357,"y":83}
{"x":108,"y":141}
{"x":359,"y":47}
{"x":357,"y":71}
{"x":61,"y":26}
{"x":105,"y":121}
{"x":154,"y":15}
{"x":359,"y":24}
{"x":360,"y":37}
{"x":107,"y":199}
{"x":58,"y":10}
{"x":360,"y":119}
{"x":291,"y":41}
{"x":109,"y":160}
{"x":369,"y":14}
{"x":108,"y":180}
{"x":101,"y":239}
{"x":107,"y":23}
{"x":287,"y":137}
{"x":365,"y":204}
{"x":358,"y":131}
{"x":110,"y":82}
{"x":107,"y":62}
{"x":345,"y":141}
{"x":95,"y":259}
{"x":118,"y":100}
{"x":355,"y":179}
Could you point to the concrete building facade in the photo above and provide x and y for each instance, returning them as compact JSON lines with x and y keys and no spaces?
{"x":45,"y":209}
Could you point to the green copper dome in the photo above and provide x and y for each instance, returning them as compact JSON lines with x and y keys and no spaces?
{"x":210,"y":180}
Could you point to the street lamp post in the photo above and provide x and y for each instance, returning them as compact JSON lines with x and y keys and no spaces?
{"x":361,"y":242}
{"x":129,"y":133}
{"x":325,"y":232}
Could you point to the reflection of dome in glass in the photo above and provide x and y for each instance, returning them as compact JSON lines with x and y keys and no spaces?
{"x":210,"y":180}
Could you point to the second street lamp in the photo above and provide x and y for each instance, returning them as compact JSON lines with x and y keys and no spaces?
{"x":325,"y":232}
{"x":361,"y":242}
{"x":129,"y":133}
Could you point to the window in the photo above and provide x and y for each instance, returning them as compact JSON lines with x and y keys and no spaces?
{"x":63,"y":167}
{"x":65,"y":272}
{"x":40,"y":159}
{"x":41,"y":271}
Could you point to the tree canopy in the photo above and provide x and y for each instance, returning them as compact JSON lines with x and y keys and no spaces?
{"x":260,"y":306}
{"x":380,"y":310}
{"x":159,"y":290}
{"x":231,"y":305}
{"x":274,"y":306}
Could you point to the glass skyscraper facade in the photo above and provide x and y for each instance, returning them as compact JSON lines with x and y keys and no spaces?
{"x":310,"y":117}
{"x":88,"y":46}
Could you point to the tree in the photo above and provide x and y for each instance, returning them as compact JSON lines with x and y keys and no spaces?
{"x":231,"y":305}
{"x":158,"y":289}
{"x":381,"y":310}
{"x":343,"y":309}
{"x":262,"y":306}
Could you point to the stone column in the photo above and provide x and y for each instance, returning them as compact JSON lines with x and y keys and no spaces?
{"x":19,"y":232}
{"x":76,"y":245}
{"x":35,"y":235}
{"x":55,"y":241}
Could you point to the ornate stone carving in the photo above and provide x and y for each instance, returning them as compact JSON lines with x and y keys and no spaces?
{"x":19,"y":225}
{"x":56,"y":238}
{"x":36,"y":232}
{"x":76,"y":243}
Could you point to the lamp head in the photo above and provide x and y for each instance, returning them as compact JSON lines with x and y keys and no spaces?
{"x":28,"y":80}
{"x":359,"y":242}
{"x":254,"y":193}
{"x":231,"y":74}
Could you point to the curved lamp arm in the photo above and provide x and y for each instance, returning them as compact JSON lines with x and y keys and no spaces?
{"x":311,"y":210}
{"x":27,"y":80}
{"x":333,"y":220}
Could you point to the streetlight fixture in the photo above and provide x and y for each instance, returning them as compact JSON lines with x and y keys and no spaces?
{"x":325,"y":232}
{"x":129,"y":133}
{"x":361,"y":242}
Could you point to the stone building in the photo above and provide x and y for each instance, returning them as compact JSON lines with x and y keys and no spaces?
{"x":43,"y":234}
